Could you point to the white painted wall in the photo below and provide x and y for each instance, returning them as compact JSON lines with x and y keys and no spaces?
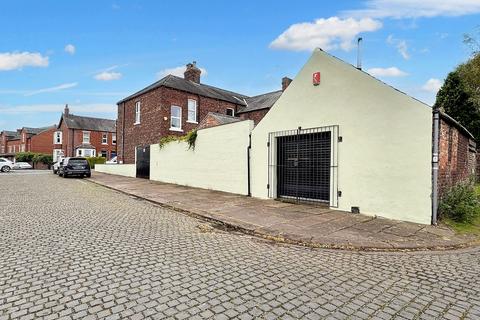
{"x":219,"y":161}
{"x":385,"y":157}
{"x":128,"y":170}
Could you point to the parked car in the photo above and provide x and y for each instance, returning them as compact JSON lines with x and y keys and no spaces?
{"x":75,"y":166}
{"x":5,"y":165}
{"x":113,"y":160}
{"x":57,"y":165}
{"x":22,"y":165}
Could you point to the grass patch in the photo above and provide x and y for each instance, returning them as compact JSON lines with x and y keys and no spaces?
{"x":472,"y":228}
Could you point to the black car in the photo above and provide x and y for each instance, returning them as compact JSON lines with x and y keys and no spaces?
{"x":74,"y":167}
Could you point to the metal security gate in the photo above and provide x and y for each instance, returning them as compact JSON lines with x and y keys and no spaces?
{"x":143,"y":162}
{"x":303,"y":165}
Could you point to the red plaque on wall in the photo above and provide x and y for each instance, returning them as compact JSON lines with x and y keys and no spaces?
{"x":316,"y":78}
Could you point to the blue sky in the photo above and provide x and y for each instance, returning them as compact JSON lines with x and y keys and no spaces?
{"x":90,"y":54}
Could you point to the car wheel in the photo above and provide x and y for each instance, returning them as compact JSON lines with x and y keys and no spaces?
{"x":65,"y":175}
{"x":88,"y":175}
{"x":54,"y":171}
{"x":6,"y":169}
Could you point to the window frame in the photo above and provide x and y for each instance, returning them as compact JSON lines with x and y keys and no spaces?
{"x":233,"y":112}
{"x":83,"y":137}
{"x":195,"y":120}
{"x":172,"y":128}
{"x":114,"y":139}
{"x":57,"y":137}
{"x":138,"y":112}
{"x":105,"y":138}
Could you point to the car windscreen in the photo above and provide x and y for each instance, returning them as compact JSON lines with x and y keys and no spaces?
{"x":77,"y":161}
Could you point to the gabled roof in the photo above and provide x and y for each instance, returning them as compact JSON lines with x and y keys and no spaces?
{"x":178,"y":83}
{"x":11,"y":134}
{"x":88,"y":123}
{"x":263,"y":101}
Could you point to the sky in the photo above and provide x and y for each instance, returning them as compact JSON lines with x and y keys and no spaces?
{"x":91,"y":54}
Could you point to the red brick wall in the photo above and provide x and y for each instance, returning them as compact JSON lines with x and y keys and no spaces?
{"x":456,"y":160}
{"x":42,"y":142}
{"x":155,"y":118}
{"x":256,"y":116}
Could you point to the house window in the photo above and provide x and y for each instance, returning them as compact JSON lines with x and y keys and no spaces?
{"x":137,"y":112}
{"x":192,"y":111}
{"x":57,"y":137}
{"x":22,"y":148}
{"x":57,"y":153}
{"x":23,"y":138}
{"x":114,"y":138}
{"x":176,"y":118}
{"x":85,"y":152}
{"x":230,"y":112}
{"x":86,"y":136}
{"x":104,"y":138}
{"x":104,"y":154}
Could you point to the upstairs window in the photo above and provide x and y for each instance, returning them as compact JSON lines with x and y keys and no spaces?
{"x":137,"y":112}
{"x":104,"y":138}
{"x":192,"y":111}
{"x":176,"y":118}
{"x":230,"y":112}
{"x":114,"y":138}
{"x":57,"y":137}
{"x":86,"y":137}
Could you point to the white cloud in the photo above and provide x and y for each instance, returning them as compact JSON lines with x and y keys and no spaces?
{"x":177,"y":71}
{"x":432,"y":85}
{"x":108,"y":76}
{"x":70,"y":48}
{"x":52,"y":89}
{"x":415,"y":9}
{"x":328,"y":34}
{"x":58,"y":108}
{"x":18,"y":60}
{"x":387,"y":72}
{"x":401,"y":46}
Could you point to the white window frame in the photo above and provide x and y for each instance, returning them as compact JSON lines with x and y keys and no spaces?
{"x":80,"y":152}
{"x":233,"y":112}
{"x":57,"y":137}
{"x":114,"y":138}
{"x":172,"y":128}
{"x":138,"y":108}
{"x":86,"y":134}
{"x":194,"y":109}
{"x":57,"y":153}
{"x":104,"y":138}
{"x":23,"y":137}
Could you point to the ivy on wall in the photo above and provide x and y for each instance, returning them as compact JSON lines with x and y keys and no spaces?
{"x":189,"y":138}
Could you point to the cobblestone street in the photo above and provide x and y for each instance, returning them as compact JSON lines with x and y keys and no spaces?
{"x":71,"y":249}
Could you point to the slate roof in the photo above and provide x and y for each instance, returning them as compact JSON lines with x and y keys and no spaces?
{"x":223,"y":118}
{"x":178,"y":83}
{"x":88,"y":123}
{"x":37,"y":130}
{"x":262,"y":101}
{"x":11,"y":134}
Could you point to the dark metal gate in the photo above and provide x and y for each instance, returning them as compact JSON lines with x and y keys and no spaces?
{"x":303,"y":165}
{"x":143,"y":162}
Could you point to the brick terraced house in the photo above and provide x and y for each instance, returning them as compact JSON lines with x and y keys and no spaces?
{"x":38,"y":140}
{"x":175,"y":105}
{"x":84,"y":136}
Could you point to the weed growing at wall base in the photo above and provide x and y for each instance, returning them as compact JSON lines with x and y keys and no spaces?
{"x":461,"y":203}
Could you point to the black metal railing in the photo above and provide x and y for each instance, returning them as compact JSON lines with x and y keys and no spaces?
{"x":303,"y":165}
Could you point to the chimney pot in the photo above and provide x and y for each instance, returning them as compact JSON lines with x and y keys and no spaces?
{"x":286,"y":82}
{"x":192,"y":73}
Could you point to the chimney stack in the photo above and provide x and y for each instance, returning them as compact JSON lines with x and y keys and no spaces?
{"x":192,"y":73}
{"x":286,"y":82}
{"x":66,"y":111}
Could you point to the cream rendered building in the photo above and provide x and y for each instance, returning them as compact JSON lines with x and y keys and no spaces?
{"x":379,"y":142}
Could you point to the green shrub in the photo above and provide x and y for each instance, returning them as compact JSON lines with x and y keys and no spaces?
{"x":189,"y":138}
{"x":92,"y":161}
{"x":24,"y":156}
{"x":461,"y":203}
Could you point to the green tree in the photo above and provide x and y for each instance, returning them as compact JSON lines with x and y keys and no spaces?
{"x":457,"y":98}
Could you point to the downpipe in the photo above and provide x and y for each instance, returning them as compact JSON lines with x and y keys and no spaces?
{"x":435,"y":156}
{"x":249,"y":148}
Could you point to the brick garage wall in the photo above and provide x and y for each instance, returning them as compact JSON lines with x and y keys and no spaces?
{"x":155,"y":118}
{"x":256,"y":116}
{"x":457,"y":160}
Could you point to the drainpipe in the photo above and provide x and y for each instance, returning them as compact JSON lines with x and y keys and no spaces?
{"x":248,"y":163}
{"x":123,"y":134}
{"x":73,"y":143}
{"x":436,"y":131}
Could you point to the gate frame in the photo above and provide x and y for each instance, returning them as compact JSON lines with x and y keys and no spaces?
{"x":272,"y":161}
